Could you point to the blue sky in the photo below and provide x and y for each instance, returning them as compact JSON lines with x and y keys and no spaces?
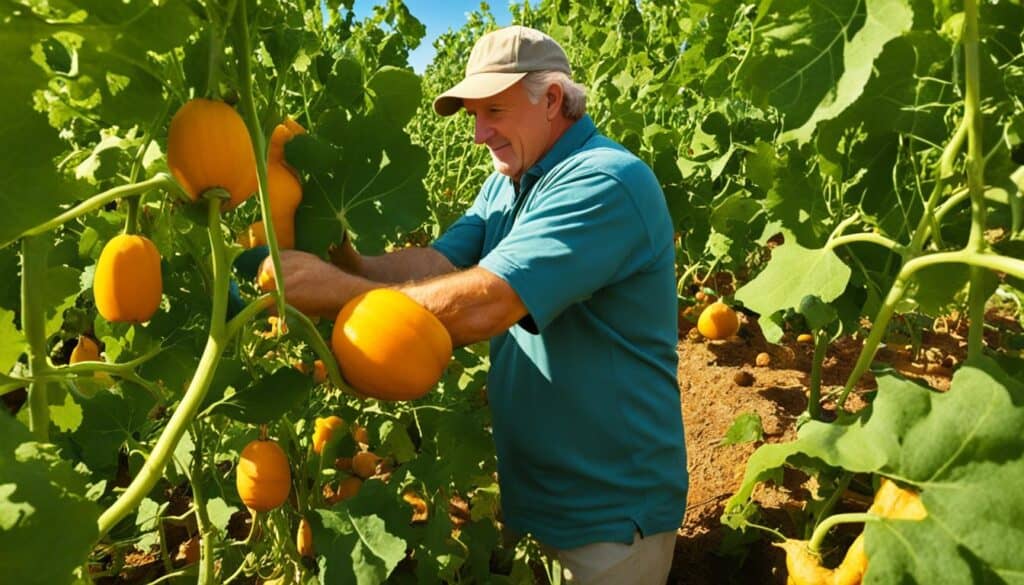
{"x":438,"y":16}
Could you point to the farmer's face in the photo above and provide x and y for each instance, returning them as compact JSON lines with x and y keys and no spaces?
{"x":516,"y":131}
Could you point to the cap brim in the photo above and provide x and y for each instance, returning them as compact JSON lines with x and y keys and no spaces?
{"x":479,"y":86}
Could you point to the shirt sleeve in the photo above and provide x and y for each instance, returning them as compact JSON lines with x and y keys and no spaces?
{"x":577,"y":238}
{"x":463,"y":242}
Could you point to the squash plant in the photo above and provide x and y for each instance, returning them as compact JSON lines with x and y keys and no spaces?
{"x":957,"y":448}
{"x":153,"y":120}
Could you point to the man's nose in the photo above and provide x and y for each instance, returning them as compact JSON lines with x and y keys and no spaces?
{"x":483,"y":132}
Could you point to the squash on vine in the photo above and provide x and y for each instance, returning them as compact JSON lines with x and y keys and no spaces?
{"x":324,"y":430}
{"x":283,"y":133}
{"x":263,"y":477}
{"x":285,"y":193}
{"x":208,"y":146}
{"x":128,"y":285}
{"x":389,"y":347}
{"x":304,"y":539}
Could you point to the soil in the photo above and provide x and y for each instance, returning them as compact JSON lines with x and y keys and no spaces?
{"x":718,"y":381}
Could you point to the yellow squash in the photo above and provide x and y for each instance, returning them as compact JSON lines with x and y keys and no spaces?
{"x":208,"y":146}
{"x":718,"y":321}
{"x":389,"y":347}
{"x":127,"y":285}
{"x":263,"y":477}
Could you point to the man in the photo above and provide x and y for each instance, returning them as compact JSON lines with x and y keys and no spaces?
{"x":566,"y":263}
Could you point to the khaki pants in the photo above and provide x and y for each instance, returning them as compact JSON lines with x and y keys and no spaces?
{"x":645,"y":562}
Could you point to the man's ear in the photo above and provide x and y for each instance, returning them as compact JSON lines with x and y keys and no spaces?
{"x":554,"y":96}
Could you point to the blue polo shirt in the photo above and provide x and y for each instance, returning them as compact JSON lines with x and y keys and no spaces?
{"x":583,"y":391}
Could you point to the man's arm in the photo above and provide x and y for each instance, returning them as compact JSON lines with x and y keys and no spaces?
{"x":473,"y":304}
{"x":399,"y":266}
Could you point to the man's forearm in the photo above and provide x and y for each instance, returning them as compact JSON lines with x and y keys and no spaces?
{"x":399,"y":266}
{"x":473,"y":304}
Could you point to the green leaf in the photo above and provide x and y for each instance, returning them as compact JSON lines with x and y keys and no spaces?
{"x":884,"y":21}
{"x":961,"y":449}
{"x":42,"y":503}
{"x":12,"y":341}
{"x":219,"y":512}
{"x":745,"y":428}
{"x":396,"y":94}
{"x":793,"y":273}
{"x":31,"y":192}
{"x":394,"y":440}
{"x":67,"y":416}
{"x":108,"y":419}
{"x":267,"y":399}
{"x":354,"y":549}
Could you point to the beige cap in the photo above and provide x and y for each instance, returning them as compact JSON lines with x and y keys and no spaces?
{"x":498,"y":60}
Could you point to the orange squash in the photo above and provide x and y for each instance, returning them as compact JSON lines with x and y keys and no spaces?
{"x":347,"y":488}
{"x":127,"y":285}
{"x":86,"y":350}
{"x":208,"y":146}
{"x":282,"y":134}
{"x":324,"y":429}
{"x":263,"y":477}
{"x":364,"y":464}
{"x":285,"y":195}
{"x":304,"y":539}
{"x":718,"y":321}
{"x":389,"y":346}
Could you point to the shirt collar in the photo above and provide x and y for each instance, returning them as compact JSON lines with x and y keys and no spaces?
{"x":575,"y":137}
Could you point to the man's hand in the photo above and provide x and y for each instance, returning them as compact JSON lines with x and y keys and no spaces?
{"x":311,"y":285}
{"x":344,"y":256}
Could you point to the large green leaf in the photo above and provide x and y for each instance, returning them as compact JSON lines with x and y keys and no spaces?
{"x":354,"y":548}
{"x":793,"y":273}
{"x":884,"y":21}
{"x":31,"y":191}
{"x":963,"y":449}
{"x":267,"y":399}
{"x":47,"y":524}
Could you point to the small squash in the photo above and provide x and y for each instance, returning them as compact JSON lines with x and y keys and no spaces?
{"x":304,"y":539}
{"x":127,"y":285}
{"x":718,"y":321}
{"x":86,"y":350}
{"x":208,"y":146}
{"x":263,"y":477}
{"x":324,"y":429}
{"x":364,"y":464}
{"x":389,"y":347}
{"x":285,"y":195}
{"x":283,"y":133}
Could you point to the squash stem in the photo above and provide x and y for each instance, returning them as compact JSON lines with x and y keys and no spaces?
{"x":814,"y":544}
{"x":34,"y":254}
{"x":247,"y":101}
{"x":184,"y":414}
{"x":158,"y":181}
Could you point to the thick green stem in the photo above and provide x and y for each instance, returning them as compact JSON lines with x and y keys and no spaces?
{"x":814,"y":397}
{"x":183,"y":415}
{"x":975,"y":174}
{"x":988,"y":260}
{"x":307,"y":330}
{"x":871,"y":238}
{"x":34,"y":253}
{"x":206,"y":574}
{"x":159,"y":181}
{"x":131,"y":225}
{"x":247,"y":102}
{"x":814,"y":544}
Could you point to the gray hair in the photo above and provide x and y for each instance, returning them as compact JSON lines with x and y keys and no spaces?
{"x":574,"y":95}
